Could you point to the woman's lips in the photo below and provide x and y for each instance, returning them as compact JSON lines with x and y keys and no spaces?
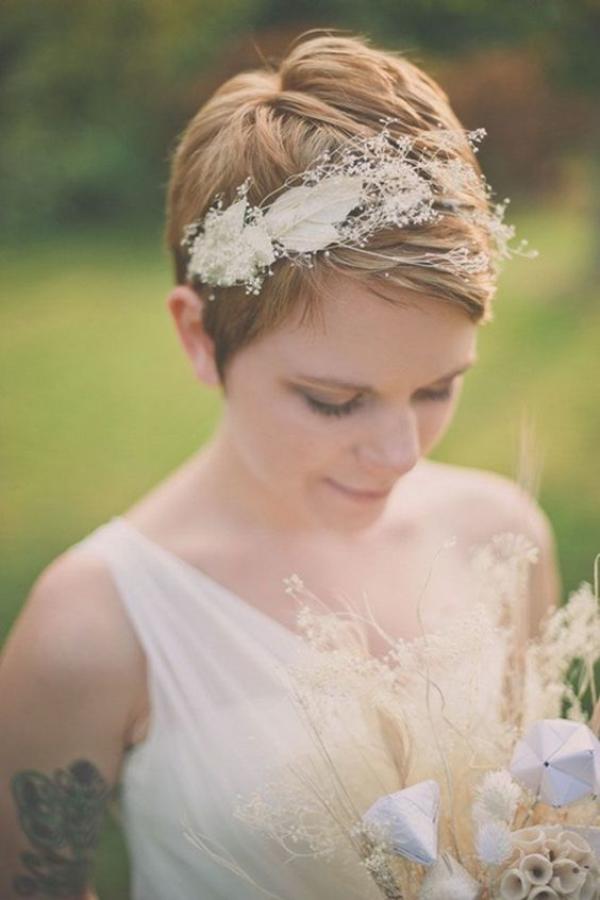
{"x":358,"y":495}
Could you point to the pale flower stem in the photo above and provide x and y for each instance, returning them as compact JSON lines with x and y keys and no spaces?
{"x":592,"y":680}
{"x":491,"y":887}
{"x":341,"y":787}
{"x":358,"y":846}
{"x":329,"y":809}
{"x":429,"y":683}
{"x":370,"y":619}
{"x":383,"y":877}
{"x":584,"y":679}
{"x":587,"y":681}
{"x":367,"y":620}
{"x":597,"y":595}
{"x":318,"y":741}
{"x":224,"y":859}
{"x":529,"y":811}
{"x":387,"y":886}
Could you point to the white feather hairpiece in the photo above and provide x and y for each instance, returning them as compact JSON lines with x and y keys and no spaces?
{"x":343,"y":199}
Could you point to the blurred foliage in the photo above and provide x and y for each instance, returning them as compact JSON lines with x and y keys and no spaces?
{"x":94,"y":92}
{"x":90,"y":93}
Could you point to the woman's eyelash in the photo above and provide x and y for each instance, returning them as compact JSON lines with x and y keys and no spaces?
{"x":344,"y":409}
{"x":441,"y":394}
{"x":332,"y":409}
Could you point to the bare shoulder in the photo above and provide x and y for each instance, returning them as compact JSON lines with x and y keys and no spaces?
{"x":478,"y":504}
{"x":76,"y":598}
{"x":67,"y":676}
{"x":485,"y":503}
{"x":73,"y":631}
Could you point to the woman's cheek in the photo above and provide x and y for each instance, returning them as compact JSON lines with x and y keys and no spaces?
{"x":435,"y":423}
{"x":295,"y":440}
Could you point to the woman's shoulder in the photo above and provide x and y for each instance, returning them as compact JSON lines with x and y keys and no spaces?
{"x":65,"y":703}
{"x":485,"y":502}
{"x":476,"y":505}
{"x":73,"y":628}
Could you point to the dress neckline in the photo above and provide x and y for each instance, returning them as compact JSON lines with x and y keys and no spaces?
{"x":205,"y":579}
{"x":234,"y":599}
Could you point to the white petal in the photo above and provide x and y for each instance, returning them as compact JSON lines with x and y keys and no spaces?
{"x":308,"y":237}
{"x":259,"y":240}
{"x":296,"y":218}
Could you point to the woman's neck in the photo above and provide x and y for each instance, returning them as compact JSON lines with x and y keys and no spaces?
{"x":220,"y":485}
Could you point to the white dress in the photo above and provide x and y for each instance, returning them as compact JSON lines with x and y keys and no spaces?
{"x":220,"y":720}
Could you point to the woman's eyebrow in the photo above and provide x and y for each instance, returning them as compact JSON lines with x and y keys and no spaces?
{"x":350,"y":385}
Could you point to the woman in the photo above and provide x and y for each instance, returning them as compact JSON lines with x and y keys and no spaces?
{"x":143,"y":656}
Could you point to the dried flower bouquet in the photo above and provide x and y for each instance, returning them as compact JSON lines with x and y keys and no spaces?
{"x":462,"y":765}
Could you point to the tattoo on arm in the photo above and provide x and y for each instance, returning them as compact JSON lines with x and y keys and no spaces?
{"x":62,"y":816}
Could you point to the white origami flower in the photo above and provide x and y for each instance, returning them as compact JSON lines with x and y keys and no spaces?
{"x":559,"y":759}
{"x":407,"y":821}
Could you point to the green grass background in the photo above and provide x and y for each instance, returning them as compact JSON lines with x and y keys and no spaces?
{"x":99,"y":402}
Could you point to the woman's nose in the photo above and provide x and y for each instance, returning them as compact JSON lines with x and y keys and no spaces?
{"x":393,"y":446}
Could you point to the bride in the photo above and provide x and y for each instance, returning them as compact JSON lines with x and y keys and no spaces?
{"x":141,"y":663}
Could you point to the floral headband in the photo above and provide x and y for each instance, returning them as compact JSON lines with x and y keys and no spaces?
{"x":341,"y":200}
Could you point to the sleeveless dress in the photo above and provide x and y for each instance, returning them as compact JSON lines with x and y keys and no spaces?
{"x":220,"y":720}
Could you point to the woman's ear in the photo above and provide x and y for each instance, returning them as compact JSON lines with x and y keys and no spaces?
{"x":185,"y":306}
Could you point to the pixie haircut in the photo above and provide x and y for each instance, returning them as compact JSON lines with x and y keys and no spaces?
{"x":272,"y":124}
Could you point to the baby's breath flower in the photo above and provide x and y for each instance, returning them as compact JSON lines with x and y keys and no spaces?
{"x":293,"y":583}
{"x":343,"y":199}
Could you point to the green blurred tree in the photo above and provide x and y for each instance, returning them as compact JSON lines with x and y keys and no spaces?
{"x":572,"y":58}
{"x":93,"y":92}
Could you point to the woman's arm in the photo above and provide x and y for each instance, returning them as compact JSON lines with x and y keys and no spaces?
{"x":65,"y":707}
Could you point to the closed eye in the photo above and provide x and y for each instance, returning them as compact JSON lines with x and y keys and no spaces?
{"x":431,"y":394}
{"x":333,"y":409}
{"x":344,"y":409}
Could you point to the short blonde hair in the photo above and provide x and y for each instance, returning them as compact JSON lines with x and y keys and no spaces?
{"x":271,"y":124}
